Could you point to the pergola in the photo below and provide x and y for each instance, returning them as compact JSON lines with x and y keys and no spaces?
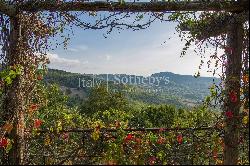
{"x":233,"y":28}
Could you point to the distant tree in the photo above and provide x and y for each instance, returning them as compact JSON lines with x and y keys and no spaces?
{"x":154,"y":116}
{"x":101,"y":100}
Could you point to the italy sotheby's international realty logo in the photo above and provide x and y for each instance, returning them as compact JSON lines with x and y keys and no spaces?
{"x":96,"y":81}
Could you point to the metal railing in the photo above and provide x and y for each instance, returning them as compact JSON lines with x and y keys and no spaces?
{"x":188,"y":146}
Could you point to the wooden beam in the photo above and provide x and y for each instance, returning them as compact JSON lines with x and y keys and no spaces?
{"x":48,"y":5}
{"x":6,"y":8}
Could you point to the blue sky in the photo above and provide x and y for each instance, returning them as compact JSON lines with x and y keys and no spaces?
{"x":141,"y":52}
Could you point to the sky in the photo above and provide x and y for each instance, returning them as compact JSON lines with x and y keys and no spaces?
{"x":144,"y":52}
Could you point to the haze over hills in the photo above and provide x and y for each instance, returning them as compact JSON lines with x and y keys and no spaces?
{"x":159,"y":88}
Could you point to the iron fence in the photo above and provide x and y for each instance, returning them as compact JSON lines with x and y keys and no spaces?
{"x":189,"y":146}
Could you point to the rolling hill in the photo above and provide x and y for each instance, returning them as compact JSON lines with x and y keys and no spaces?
{"x":159,"y":88}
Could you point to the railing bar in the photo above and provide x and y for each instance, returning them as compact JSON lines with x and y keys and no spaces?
{"x":135,"y":129}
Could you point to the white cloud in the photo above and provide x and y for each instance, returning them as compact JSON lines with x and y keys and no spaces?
{"x":55,"y":60}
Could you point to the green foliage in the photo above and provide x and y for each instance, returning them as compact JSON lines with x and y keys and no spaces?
{"x":100,"y":100}
{"x":8,"y":75}
{"x":154,"y":116}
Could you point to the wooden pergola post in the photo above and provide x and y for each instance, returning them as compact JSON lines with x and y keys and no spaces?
{"x":232,"y":87}
{"x":13,"y":100}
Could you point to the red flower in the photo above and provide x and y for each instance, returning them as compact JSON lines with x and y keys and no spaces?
{"x":3,"y":142}
{"x":229,"y":114}
{"x":37,"y":123}
{"x":179,"y":138}
{"x":233,"y":96}
{"x":129,"y":137}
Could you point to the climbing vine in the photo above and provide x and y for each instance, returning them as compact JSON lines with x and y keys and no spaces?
{"x":27,"y":36}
